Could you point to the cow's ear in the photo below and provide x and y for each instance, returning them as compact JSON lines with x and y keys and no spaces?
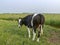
{"x":20,"y":18}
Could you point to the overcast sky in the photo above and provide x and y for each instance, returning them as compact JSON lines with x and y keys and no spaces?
{"x":32,"y":6}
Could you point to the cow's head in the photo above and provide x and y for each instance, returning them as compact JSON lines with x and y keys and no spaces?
{"x":20,"y":23}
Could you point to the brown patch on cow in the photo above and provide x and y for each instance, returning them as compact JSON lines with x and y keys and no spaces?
{"x":55,"y":37}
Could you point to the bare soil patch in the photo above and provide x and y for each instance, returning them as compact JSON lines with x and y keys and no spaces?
{"x":55,"y":37}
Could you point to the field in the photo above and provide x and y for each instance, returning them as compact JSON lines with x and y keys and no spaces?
{"x":10,"y":34}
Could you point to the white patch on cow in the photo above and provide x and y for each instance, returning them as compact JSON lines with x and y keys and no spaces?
{"x":34,"y":35}
{"x":37,"y":39}
{"x":41,"y":31}
{"x":19,"y":22}
{"x":29,"y":32}
{"x":32,"y":19}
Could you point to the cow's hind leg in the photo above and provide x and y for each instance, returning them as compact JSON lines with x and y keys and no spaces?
{"x":34,"y":33}
{"x":38,"y":36}
{"x":40,"y":32}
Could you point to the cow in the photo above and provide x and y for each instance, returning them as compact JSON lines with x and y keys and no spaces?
{"x":33,"y":21}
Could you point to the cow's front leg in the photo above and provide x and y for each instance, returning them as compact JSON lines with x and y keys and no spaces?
{"x":29,"y":32}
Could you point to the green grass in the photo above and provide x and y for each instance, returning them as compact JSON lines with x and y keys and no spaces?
{"x":52,"y":19}
{"x":10,"y":34}
{"x":11,"y":16}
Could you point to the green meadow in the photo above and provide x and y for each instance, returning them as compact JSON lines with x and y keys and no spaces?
{"x":10,"y":34}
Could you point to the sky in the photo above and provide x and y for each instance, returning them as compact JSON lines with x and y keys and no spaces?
{"x":29,"y":6}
